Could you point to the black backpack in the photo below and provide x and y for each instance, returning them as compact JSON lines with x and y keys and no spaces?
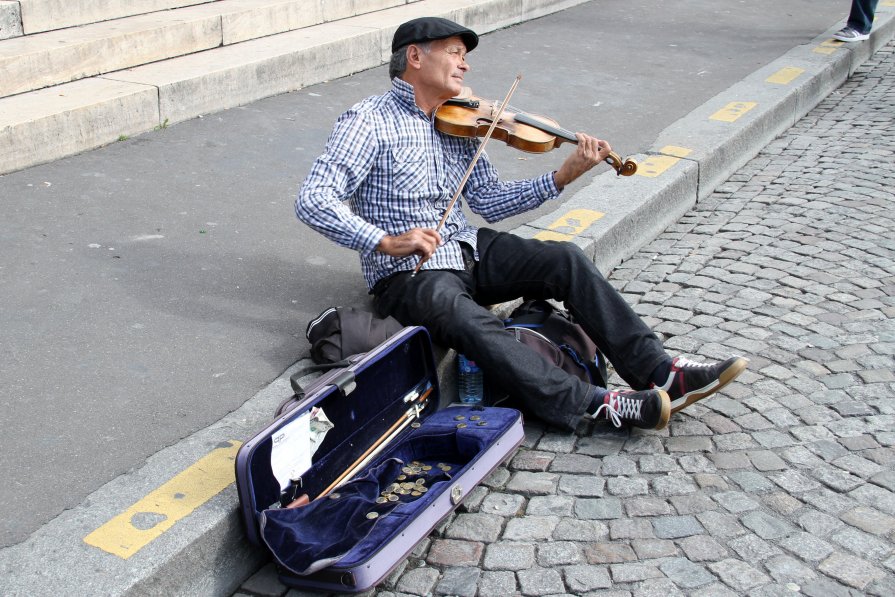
{"x":553,"y":334}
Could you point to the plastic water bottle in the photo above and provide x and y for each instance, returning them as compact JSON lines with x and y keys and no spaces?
{"x":469,"y":381}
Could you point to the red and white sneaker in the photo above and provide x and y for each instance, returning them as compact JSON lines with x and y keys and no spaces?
{"x":647,"y":409}
{"x":689,"y":381}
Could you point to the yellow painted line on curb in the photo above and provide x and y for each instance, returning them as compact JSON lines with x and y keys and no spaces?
{"x":828,"y":47}
{"x":678,"y":152}
{"x":150,"y":517}
{"x":732,"y":111}
{"x":655,"y":165}
{"x":785,"y":75}
{"x":569,"y":225}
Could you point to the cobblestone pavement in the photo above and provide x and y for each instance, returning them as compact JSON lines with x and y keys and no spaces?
{"x":782,"y":484}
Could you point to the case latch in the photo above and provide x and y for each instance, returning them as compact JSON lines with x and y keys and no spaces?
{"x":456,"y":494}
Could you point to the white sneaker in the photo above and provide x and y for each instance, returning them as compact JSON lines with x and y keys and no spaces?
{"x":849,"y":34}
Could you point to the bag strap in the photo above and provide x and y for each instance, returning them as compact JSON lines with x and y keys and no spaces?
{"x":293,"y":379}
{"x":345,"y":382}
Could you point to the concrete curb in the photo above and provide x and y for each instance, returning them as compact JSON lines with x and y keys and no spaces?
{"x":206,"y":553}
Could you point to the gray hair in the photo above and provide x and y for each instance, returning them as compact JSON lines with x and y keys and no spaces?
{"x":398,"y":63}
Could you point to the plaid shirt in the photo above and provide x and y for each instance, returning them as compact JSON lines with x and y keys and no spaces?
{"x":396,"y":172}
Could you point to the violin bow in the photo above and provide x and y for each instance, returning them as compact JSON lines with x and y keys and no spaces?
{"x":472,"y":164}
{"x":419,"y":402}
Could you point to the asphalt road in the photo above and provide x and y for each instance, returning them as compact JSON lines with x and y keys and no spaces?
{"x":152,"y":286}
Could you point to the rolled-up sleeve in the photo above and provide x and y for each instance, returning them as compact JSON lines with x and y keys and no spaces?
{"x":496,"y":200}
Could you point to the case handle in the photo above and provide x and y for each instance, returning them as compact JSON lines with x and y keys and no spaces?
{"x":345,"y":382}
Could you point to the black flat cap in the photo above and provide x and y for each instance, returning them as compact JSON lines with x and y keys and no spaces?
{"x":432,"y":28}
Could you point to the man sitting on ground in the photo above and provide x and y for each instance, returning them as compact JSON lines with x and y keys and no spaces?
{"x":382,"y":186}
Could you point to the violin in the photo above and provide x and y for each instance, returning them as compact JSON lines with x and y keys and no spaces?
{"x":470,"y":116}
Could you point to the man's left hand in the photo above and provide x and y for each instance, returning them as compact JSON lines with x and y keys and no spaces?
{"x":590,"y":152}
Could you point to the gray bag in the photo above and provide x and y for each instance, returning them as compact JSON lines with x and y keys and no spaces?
{"x":340,"y":332}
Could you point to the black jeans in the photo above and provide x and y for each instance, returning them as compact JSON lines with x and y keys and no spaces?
{"x":450,"y":305}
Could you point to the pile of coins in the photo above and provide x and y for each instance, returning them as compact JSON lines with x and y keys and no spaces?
{"x":477,"y":420}
{"x":411,"y":483}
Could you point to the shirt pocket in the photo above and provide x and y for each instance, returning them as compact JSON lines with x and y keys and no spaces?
{"x":410,"y":168}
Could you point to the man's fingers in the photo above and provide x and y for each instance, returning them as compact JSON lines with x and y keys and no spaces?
{"x":418,"y":241}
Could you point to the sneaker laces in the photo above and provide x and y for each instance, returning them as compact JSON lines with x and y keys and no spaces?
{"x":620,"y":407}
{"x":685,"y":362}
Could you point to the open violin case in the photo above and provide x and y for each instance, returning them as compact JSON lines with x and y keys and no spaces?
{"x":368,"y":465}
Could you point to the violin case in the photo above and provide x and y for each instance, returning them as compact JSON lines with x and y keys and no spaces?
{"x":370,"y":464}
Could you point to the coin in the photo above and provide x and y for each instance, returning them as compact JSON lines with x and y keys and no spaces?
{"x":482,"y":423}
{"x":372,"y":515}
{"x":459,"y":418}
{"x":393,"y":498}
{"x":474,"y":418}
{"x":334,"y":496}
{"x":381,"y":499}
{"x":461,"y":425}
{"x":400,"y":477}
{"x":415,"y":493}
{"x":415,"y":425}
{"x":446,"y":468}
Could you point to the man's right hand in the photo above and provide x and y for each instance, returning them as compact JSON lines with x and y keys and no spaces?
{"x":417,"y":241}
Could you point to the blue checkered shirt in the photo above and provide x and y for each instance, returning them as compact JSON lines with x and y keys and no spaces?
{"x":387,"y":170}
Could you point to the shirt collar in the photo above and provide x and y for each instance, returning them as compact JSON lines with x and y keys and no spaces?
{"x":404,"y":93}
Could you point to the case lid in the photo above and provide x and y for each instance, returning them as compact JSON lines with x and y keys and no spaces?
{"x":306,"y":449}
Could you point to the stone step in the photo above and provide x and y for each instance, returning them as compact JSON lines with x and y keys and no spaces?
{"x":37,"y":61}
{"x":44,"y":125}
{"x":47,"y":15}
{"x":10,"y":19}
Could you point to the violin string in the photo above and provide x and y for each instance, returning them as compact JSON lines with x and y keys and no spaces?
{"x":552,"y":128}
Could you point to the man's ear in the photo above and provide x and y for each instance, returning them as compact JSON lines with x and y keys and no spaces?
{"x":414,"y":56}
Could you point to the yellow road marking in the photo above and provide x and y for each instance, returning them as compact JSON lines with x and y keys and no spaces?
{"x":732,"y":111}
{"x":828,"y":47}
{"x":146,"y":520}
{"x":678,"y":152}
{"x":785,"y":76}
{"x":570,"y":225}
{"x":655,"y":165}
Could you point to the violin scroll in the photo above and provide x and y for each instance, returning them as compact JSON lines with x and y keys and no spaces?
{"x":627,"y":167}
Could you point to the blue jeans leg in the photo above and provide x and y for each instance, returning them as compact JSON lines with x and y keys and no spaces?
{"x":861,"y":16}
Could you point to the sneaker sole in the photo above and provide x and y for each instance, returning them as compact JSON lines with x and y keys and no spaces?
{"x":665,"y":414}
{"x":727,"y":376}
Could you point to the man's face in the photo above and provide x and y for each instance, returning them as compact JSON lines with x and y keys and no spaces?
{"x":444,"y":66}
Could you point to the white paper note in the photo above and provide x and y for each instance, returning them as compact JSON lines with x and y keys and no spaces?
{"x":290,"y":455}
